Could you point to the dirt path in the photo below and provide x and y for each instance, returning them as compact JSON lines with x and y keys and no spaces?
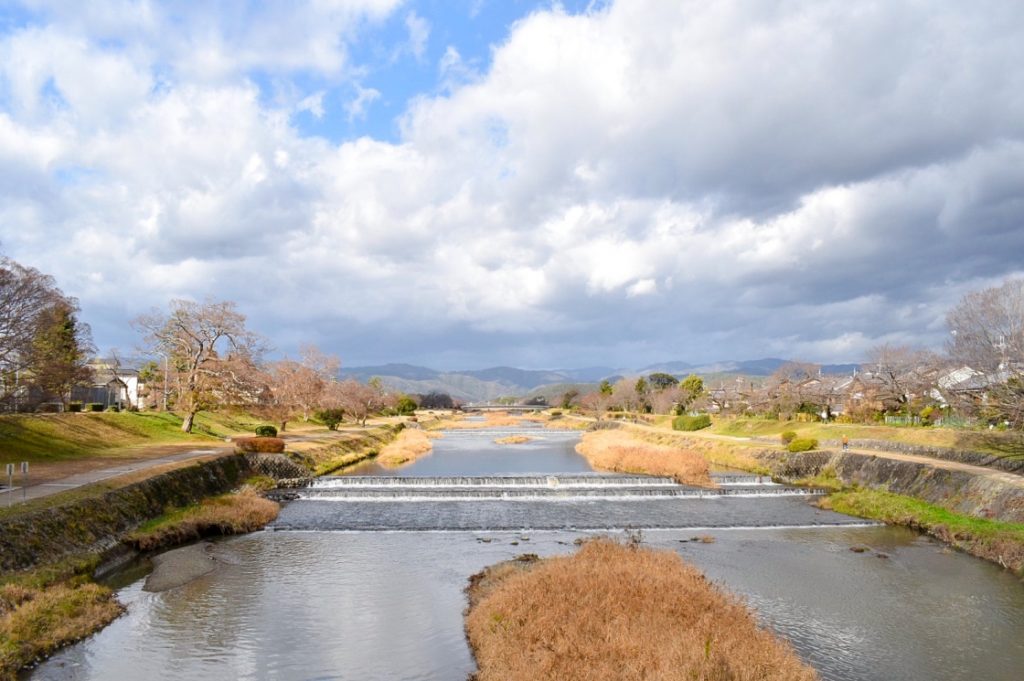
{"x":1008,"y":478}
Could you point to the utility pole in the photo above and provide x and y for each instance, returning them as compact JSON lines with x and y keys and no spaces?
{"x":165,"y":381}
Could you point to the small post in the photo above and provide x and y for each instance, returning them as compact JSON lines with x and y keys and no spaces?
{"x":24,"y":480}
{"x":10,"y":483}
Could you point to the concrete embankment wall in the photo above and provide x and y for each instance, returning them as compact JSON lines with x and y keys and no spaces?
{"x":1010,"y":463}
{"x":96,"y":524}
{"x":962,"y":491}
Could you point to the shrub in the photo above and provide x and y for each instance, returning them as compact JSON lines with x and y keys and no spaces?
{"x":330,"y":417}
{"x":74,"y":407}
{"x":94,"y":406}
{"x":788,"y":436}
{"x":112,"y":408}
{"x":691,"y":422}
{"x":262,"y":445}
{"x":266,"y":431}
{"x":802,"y":444}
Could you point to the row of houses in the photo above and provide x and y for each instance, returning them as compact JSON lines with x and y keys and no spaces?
{"x":860,"y":394}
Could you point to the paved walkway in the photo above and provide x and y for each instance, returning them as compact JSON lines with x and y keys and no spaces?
{"x":17,"y":494}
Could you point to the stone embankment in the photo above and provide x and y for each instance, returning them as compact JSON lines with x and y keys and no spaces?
{"x":978,"y":493}
{"x":97,"y":524}
{"x":1010,"y":464}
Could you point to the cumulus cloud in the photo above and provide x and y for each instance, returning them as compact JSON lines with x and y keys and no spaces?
{"x":641,"y":181}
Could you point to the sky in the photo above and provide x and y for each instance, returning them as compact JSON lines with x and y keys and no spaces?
{"x":468,"y":183}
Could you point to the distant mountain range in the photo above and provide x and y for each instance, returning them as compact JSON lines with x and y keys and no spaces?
{"x":480,"y":385}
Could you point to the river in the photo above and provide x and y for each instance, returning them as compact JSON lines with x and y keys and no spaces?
{"x":364,"y":578}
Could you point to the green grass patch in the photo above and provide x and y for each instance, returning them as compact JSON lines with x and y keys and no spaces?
{"x":994,"y":540}
{"x":59,"y":437}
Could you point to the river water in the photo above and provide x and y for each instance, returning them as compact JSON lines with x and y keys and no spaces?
{"x":364,"y":578}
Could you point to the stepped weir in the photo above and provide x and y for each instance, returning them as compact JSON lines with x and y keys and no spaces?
{"x":537,"y":488}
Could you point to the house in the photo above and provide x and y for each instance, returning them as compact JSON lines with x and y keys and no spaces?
{"x":112,"y":385}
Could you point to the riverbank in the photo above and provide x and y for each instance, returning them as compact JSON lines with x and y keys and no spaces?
{"x":574,"y":617}
{"x":335,"y":451}
{"x":975,"y":509}
{"x":998,"y":542}
{"x":623,"y":452}
{"x":410,"y":445}
{"x":51,"y":548}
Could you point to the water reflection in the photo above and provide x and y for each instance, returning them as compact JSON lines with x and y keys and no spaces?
{"x":339,"y":605}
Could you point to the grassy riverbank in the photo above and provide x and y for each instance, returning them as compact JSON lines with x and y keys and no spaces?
{"x":338,"y":450}
{"x":993,"y":442}
{"x":62,"y":437}
{"x":234,"y":513}
{"x":999,"y":542}
{"x":55,"y":605}
{"x":612,"y":612}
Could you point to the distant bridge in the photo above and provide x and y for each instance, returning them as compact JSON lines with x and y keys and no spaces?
{"x":503,"y":407}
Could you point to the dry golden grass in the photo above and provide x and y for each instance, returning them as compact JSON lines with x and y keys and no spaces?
{"x":245,"y":511}
{"x":718,"y":451}
{"x":35,"y":622}
{"x":496,"y":419}
{"x":613,"y":612}
{"x":406,"y":448}
{"x":616,"y":450}
{"x":513,"y":440}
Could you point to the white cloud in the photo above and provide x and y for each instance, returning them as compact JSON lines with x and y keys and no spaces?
{"x":419,"y":33}
{"x":678,"y":179}
{"x":358,"y":106}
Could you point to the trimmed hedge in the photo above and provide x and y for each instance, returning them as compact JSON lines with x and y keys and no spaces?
{"x":94,"y":406}
{"x":261,"y":445}
{"x":691,"y":422}
{"x":788,"y":436}
{"x":266,"y":431}
{"x":802,"y":444}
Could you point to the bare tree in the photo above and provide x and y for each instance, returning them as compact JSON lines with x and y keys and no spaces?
{"x":665,"y":400}
{"x":625,"y":394}
{"x":901,"y":373}
{"x":596,"y":402}
{"x":360,"y":400}
{"x":987,"y":335}
{"x":298,"y":386}
{"x":25,"y":294}
{"x":215,"y":353}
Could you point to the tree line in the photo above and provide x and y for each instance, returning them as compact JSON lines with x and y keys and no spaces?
{"x":979,"y":377}
{"x":203,"y":356}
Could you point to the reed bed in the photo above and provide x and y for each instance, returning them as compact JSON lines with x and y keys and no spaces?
{"x":238,"y":513}
{"x":615,"y":612}
{"x":616,"y":450}
{"x":37,"y":620}
{"x":407,"y":447}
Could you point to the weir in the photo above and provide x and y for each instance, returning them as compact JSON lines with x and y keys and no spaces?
{"x":503,"y":481}
{"x":535,"y":488}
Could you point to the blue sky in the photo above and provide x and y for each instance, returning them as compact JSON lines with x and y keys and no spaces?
{"x":473,"y":183}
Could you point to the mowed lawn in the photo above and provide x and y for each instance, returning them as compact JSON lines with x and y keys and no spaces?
{"x":61,"y":437}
